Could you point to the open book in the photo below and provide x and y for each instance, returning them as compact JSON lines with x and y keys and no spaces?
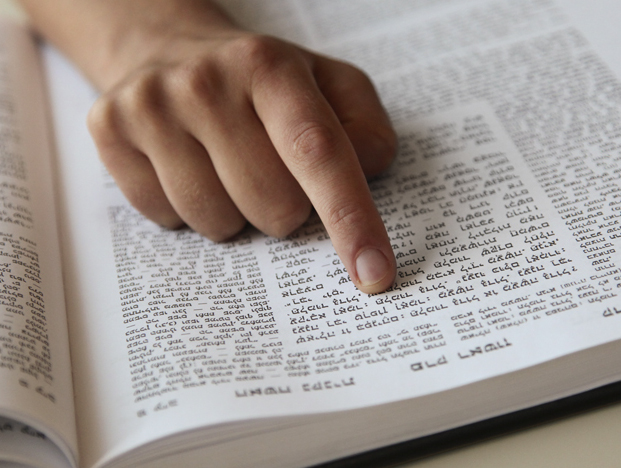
{"x":123,"y":344}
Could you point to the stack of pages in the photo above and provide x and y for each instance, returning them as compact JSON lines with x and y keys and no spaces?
{"x":123,"y":344}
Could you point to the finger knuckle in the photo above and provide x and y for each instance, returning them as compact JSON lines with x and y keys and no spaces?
{"x":286,"y":218}
{"x":257,"y":51}
{"x":204,"y":215}
{"x":221,"y":228}
{"x":224,"y":230}
{"x":146,"y":202}
{"x":198,"y":81}
{"x":102,"y":119}
{"x":142,"y":98}
{"x":264,"y":58}
{"x":314,"y":145}
{"x":192,"y":201}
{"x":137,"y":103}
{"x":107,"y":131}
{"x":343,"y":216}
{"x":146,"y":197}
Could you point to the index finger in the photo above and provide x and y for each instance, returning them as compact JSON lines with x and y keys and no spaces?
{"x":314,"y":146}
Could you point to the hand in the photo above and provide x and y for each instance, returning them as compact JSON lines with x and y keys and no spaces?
{"x":202,"y":123}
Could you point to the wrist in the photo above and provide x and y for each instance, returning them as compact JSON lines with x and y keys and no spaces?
{"x":164,"y":37}
{"x":109,"y":39}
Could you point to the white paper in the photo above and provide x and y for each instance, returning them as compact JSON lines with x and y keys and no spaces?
{"x":35,"y":371}
{"x":501,"y":209}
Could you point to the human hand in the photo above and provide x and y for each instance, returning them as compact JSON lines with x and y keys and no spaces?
{"x":205,"y":124}
{"x":246,"y":127}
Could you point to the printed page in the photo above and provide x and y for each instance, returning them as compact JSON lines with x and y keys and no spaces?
{"x":501,"y":207}
{"x":35,"y":372}
{"x":22,"y":446}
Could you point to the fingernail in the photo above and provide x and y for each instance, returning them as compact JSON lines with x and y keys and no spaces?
{"x":371,"y":266}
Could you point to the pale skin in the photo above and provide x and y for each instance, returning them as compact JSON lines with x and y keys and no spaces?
{"x":206,"y":124}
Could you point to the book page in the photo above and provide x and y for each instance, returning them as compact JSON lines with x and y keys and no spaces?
{"x":502,"y":208}
{"x":23,"y":446}
{"x":35,"y":372}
